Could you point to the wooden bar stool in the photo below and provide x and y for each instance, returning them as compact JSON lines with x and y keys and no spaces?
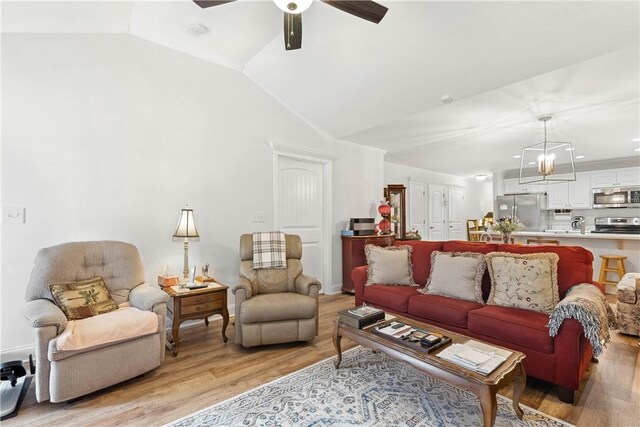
{"x":605,"y":268}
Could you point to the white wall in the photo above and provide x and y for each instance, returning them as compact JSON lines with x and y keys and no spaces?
{"x":109,"y":136}
{"x":478,"y":194}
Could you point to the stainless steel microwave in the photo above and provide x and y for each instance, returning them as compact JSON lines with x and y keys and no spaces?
{"x":616,"y":197}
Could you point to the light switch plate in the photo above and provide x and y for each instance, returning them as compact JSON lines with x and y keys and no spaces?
{"x":13,"y":215}
{"x":258,"y":216}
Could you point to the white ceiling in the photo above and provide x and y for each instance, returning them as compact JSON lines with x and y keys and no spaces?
{"x":504,"y":63}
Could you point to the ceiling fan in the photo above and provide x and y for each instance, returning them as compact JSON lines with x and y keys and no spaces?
{"x":365,"y":9}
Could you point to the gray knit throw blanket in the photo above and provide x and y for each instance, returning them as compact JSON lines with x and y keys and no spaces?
{"x":587,"y":305}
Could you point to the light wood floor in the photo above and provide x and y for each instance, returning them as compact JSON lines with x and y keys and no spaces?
{"x":207,"y":371}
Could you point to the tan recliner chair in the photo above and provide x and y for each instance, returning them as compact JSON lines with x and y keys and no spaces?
{"x":64,"y":375}
{"x":275,"y":305}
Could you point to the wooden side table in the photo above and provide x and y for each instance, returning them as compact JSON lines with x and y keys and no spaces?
{"x":197,"y":304}
{"x":353,"y":255}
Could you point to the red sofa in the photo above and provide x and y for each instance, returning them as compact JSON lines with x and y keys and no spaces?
{"x":561,"y":360}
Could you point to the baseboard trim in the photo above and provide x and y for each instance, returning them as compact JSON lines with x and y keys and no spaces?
{"x":17,"y":353}
{"x":334,"y":289}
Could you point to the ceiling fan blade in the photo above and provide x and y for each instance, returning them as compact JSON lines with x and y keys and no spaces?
{"x":210,"y":3}
{"x":365,"y":9}
{"x":292,"y":31}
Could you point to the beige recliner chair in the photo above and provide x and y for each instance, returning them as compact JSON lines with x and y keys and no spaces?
{"x":65,"y":375}
{"x":275,"y":305}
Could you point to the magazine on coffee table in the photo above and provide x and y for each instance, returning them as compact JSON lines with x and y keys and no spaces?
{"x":476,"y":356}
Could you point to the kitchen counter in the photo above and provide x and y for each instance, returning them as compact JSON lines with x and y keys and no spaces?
{"x":598,"y":243}
{"x":564,"y":235}
{"x":578,"y":235}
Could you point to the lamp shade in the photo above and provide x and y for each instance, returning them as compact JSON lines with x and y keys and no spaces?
{"x":186,"y":226}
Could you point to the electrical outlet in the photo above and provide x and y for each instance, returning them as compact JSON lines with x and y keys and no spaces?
{"x":13,"y":215}
{"x":258,"y":216}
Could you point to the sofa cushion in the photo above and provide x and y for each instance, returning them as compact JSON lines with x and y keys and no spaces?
{"x":421,"y":257}
{"x":528,"y":281}
{"x":82,"y":299}
{"x":523,"y":327}
{"x":389,"y":265}
{"x":481,"y":247}
{"x":277,"y":306}
{"x":395,"y":298}
{"x":442,"y":309}
{"x":456,"y":275}
{"x":574,"y":267}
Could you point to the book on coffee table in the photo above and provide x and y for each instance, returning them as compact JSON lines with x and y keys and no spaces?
{"x":361,"y":317}
{"x":476,"y":356}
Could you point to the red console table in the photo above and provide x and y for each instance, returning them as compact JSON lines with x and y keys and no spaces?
{"x":353,"y":255}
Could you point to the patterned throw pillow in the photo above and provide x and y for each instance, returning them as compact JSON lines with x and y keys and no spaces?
{"x":389,"y":266}
{"x":79,"y":300}
{"x":528,"y":281}
{"x":456,"y":275}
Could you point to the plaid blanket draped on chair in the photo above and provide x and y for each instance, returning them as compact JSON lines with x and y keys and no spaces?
{"x":269,"y":250}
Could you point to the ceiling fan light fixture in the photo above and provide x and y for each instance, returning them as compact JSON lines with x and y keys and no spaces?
{"x":293,"y":6}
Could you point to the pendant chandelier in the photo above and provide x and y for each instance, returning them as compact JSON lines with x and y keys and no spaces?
{"x":547,"y":162}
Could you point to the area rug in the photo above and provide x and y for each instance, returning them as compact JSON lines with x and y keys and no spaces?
{"x":369,"y":389}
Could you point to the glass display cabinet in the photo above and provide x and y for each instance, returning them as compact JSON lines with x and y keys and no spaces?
{"x":395,"y":195}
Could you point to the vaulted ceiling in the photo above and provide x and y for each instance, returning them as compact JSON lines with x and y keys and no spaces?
{"x":503,"y":63}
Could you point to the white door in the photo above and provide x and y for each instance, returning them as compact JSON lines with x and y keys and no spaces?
{"x":299,"y":209}
{"x":456,"y":214}
{"x":417,"y":207}
{"x":437,"y":216}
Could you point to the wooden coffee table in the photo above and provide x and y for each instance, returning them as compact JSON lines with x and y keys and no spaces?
{"x":483,"y":386}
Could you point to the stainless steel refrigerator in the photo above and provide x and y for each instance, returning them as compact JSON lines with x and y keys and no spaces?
{"x":530,"y":209}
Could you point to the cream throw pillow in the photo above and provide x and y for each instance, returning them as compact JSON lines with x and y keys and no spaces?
{"x":528,"y":281}
{"x":389,"y":266}
{"x":456,"y":275}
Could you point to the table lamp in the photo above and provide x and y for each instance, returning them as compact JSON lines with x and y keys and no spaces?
{"x":187,"y":230}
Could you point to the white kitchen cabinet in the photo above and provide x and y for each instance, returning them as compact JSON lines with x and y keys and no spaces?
{"x":628,"y":177}
{"x":616,"y":178}
{"x":570,"y":195}
{"x":580,"y":191}
{"x":511,"y":186}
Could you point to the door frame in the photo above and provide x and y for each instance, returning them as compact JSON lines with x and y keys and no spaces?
{"x":326,"y":161}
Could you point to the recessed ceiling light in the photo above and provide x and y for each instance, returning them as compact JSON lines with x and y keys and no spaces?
{"x":197,"y":29}
{"x":481,"y":177}
{"x":635,"y":140}
{"x":579,"y":157}
{"x":637,"y":149}
{"x":532,"y":163}
{"x":517,"y":156}
{"x":569,"y":149}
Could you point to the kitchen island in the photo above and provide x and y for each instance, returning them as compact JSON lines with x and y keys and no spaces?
{"x":597,"y":243}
